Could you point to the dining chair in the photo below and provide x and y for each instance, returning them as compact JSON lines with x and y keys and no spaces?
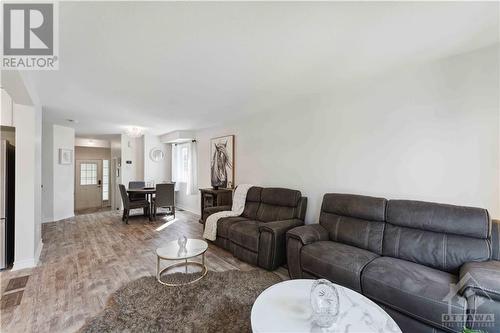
{"x":137,"y":184}
{"x":129,"y":204}
{"x":165,"y":197}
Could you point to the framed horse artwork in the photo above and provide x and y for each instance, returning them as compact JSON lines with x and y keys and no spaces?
{"x":222,"y":162}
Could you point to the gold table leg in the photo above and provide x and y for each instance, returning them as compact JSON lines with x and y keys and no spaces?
{"x":204,"y":271}
{"x":158,"y":268}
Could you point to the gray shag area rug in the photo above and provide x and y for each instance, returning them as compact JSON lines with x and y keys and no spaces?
{"x":220,"y":302}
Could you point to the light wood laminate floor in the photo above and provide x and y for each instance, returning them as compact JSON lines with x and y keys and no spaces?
{"x":85,"y":258}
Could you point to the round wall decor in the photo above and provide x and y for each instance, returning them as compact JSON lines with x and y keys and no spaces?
{"x":156,"y":154}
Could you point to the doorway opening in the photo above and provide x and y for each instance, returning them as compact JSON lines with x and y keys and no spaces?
{"x":7,"y":195}
{"x":92,"y":180}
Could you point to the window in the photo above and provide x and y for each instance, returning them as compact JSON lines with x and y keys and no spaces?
{"x":105,"y":180}
{"x":184,"y":167}
{"x":180,"y":163}
{"x":88,"y":174}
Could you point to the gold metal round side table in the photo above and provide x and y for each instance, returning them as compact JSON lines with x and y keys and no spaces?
{"x":172,"y":251}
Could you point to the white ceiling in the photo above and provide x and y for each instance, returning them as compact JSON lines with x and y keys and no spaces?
{"x":175,"y":66}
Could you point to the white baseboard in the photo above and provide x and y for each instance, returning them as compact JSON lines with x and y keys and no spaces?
{"x":30,"y":262}
{"x":55,"y":219}
{"x":187,"y":209}
{"x":59,"y":218}
{"x":38,"y":252}
{"x":47,"y":219}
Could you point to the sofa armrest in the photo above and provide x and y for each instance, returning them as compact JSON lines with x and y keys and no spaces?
{"x":308,"y":234}
{"x":495,"y":240}
{"x":280,"y":227}
{"x":272,"y":243}
{"x":211,"y":210}
{"x":481,"y":278}
{"x":216,"y":209}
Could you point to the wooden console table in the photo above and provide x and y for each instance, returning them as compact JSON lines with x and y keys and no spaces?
{"x":212,"y":198}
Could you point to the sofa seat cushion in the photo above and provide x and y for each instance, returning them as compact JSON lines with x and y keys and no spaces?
{"x":418,"y":291}
{"x":337,"y":262}
{"x":225,"y":223}
{"x":245,"y":234}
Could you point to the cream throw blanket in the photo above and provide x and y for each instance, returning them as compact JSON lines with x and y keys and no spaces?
{"x":239,"y":199}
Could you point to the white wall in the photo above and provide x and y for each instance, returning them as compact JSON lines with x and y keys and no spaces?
{"x":116,"y":178}
{"x":6,"y":118}
{"x":38,"y":181}
{"x":188,"y":201}
{"x":47,"y":172}
{"x":85,"y":142}
{"x":178,"y":137}
{"x":58,"y":179}
{"x":115,"y":145}
{"x":25,"y":243}
{"x":64,"y":174}
{"x":132,"y":149}
{"x":142,"y":167}
{"x":138,"y":157}
{"x":426,"y":132}
{"x":26,"y":116}
{"x":156,"y":171}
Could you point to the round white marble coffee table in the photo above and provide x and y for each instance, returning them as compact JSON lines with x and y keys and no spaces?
{"x":286,"y":307}
{"x":172,"y":251}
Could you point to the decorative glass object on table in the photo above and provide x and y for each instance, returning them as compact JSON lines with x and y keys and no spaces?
{"x":325,"y":303}
{"x":182,"y":241}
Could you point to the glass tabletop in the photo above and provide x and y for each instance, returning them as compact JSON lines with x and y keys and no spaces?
{"x":172,"y":250}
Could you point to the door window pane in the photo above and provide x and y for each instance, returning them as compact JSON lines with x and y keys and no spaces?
{"x":105,"y":180}
{"x":88,"y":174}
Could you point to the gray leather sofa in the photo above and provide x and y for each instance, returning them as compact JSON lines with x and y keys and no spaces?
{"x":429,"y":265}
{"x":258,"y":235}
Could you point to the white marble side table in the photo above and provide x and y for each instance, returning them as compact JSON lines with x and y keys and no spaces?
{"x":286,"y":307}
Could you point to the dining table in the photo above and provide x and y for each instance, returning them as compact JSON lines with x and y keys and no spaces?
{"x":148,"y":192}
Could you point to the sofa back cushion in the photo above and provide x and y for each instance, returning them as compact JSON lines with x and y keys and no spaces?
{"x":355,"y":220}
{"x":436,"y":235}
{"x":278,"y":204}
{"x":252,"y":202}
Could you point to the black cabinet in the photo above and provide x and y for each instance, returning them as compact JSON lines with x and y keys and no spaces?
{"x":212,"y":198}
